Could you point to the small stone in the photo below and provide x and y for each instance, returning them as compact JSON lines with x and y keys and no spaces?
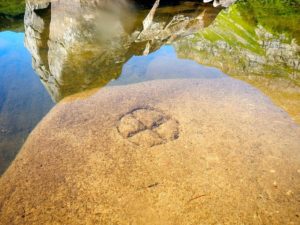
{"x":275,"y":184}
{"x":272,"y":171}
{"x":289,"y":193}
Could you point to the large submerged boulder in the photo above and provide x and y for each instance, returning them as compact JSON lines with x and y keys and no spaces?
{"x":172,"y":152}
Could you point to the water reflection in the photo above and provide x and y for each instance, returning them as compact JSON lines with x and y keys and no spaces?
{"x":245,"y":43}
{"x":79,"y":47}
{"x":163,"y":64}
{"x":23,"y":99}
{"x":72,"y":51}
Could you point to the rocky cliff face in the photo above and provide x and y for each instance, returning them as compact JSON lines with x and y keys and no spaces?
{"x":77,"y":45}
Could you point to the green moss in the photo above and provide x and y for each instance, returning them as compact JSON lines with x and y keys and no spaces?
{"x":237,"y":25}
{"x":232,"y":28}
{"x":12,"y":7}
{"x":278,"y":16}
{"x":238,"y":43}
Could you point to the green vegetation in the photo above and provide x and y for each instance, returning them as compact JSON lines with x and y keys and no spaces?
{"x":12,"y":7}
{"x":231,"y":28}
{"x":281,"y":16}
{"x":237,"y":25}
{"x":258,"y":42}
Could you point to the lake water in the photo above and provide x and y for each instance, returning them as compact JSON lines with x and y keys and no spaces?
{"x":220,"y":88}
{"x":24,"y":100}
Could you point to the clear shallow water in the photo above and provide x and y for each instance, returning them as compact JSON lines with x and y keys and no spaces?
{"x":163,"y":64}
{"x":23,"y":99}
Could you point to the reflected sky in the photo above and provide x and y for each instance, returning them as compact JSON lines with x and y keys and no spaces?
{"x":23,"y":98}
{"x":164,"y":64}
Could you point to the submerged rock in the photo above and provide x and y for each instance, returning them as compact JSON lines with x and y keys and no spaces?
{"x":77,"y":167}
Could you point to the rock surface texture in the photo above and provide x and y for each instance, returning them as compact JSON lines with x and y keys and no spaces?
{"x":233,"y":159}
{"x":148,"y":127}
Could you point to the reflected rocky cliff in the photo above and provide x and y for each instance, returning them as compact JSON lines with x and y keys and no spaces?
{"x":255,"y":42}
{"x":78,"y":46}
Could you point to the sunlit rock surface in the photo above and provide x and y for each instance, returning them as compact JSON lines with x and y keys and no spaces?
{"x":73,"y":49}
{"x":230,"y":157}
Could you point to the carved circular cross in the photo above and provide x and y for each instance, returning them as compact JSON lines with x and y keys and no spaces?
{"x":148,"y":127}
